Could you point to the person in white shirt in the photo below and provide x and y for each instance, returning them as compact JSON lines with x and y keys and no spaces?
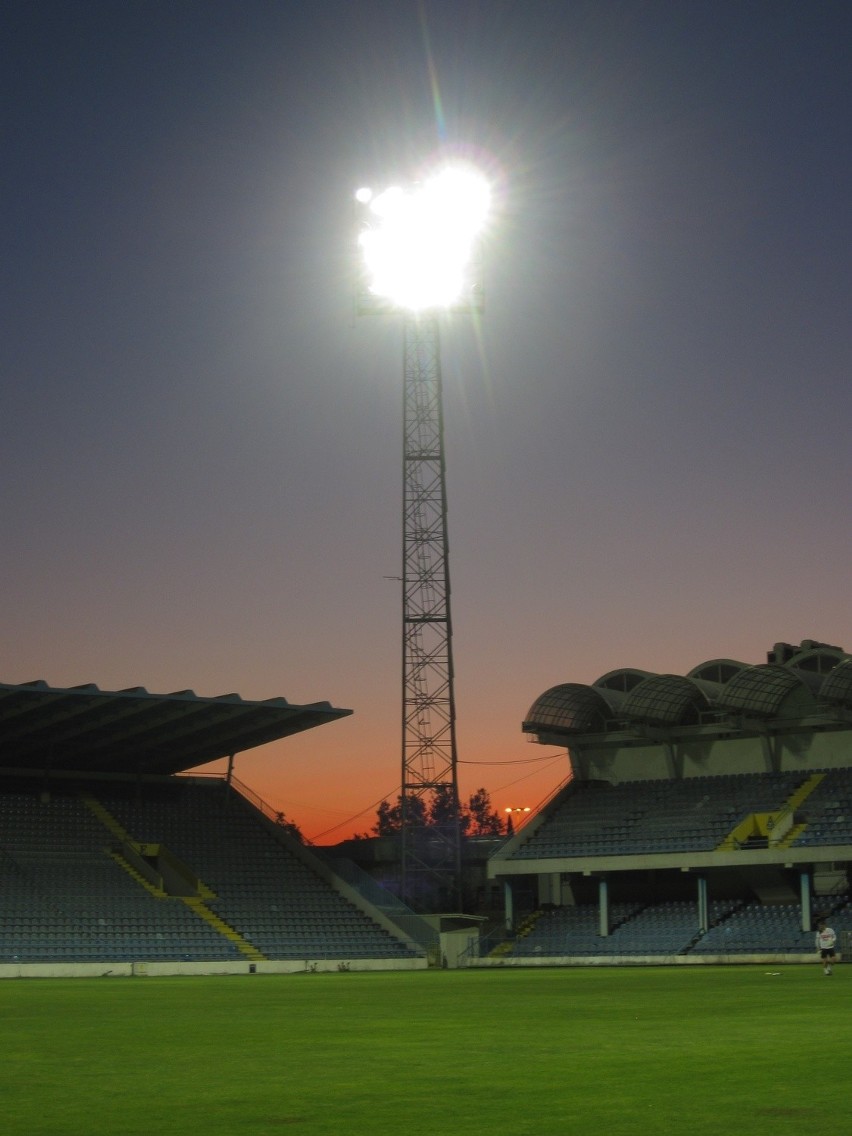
{"x":826,"y":940}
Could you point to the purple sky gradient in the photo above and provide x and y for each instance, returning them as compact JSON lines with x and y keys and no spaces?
{"x":647,"y":433}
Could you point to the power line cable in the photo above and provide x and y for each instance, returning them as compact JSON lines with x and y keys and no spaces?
{"x":357,"y":816}
{"x":515,"y":761}
{"x":518,"y":780}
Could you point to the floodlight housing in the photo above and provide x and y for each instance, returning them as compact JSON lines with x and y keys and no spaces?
{"x":418,"y":244}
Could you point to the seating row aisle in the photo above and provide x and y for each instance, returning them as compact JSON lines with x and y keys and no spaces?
{"x":595,"y":818}
{"x":263,"y":890}
{"x":672,"y":929}
{"x":63,"y":896}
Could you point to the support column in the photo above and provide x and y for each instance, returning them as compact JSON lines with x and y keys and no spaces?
{"x":805,"y":900}
{"x":603,"y":905}
{"x":508,"y":905}
{"x":703,"y":916}
{"x":550,"y":888}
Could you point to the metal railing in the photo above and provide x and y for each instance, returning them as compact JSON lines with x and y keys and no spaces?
{"x":390,"y":905}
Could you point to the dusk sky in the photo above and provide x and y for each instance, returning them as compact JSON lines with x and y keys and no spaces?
{"x":647,"y":432}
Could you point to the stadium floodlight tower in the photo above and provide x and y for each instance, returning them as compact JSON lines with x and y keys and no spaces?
{"x":418,"y":248}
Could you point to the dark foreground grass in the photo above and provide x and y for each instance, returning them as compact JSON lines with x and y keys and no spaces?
{"x":698,"y":1052}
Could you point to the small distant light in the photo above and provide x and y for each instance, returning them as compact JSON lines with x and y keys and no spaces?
{"x":363,"y":195}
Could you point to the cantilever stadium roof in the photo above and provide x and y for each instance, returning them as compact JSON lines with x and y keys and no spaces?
{"x":89,"y":730}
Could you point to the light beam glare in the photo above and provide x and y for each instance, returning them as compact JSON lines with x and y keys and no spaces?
{"x":418,"y":245}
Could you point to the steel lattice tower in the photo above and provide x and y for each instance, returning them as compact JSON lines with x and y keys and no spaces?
{"x":429,"y":758}
{"x":419,"y":255}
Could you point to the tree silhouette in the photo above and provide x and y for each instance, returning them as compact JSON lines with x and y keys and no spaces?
{"x":389,"y":817}
{"x":439,"y":810}
{"x":483,"y":819}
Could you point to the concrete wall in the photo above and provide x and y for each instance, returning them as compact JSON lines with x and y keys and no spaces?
{"x":702,"y":755}
{"x":649,"y":960}
{"x":162,"y":969}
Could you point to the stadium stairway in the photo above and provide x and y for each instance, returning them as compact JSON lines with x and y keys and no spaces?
{"x":772,"y":829}
{"x":525,"y":929}
{"x":796,"y":799}
{"x":126,"y":866}
{"x":199,"y":908}
{"x":131,"y":850}
{"x":105,"y":817}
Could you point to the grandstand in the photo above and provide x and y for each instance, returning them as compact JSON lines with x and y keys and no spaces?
{"x":112,"y":859}
{"x":706,"y":817}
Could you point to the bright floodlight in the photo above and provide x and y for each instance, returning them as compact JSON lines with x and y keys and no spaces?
{"x":418,"y":244}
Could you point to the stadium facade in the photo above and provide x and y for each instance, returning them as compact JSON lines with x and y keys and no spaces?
{"x":707,"y":815}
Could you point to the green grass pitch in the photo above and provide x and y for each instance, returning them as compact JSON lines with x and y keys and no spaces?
{"x":698,"y":1051}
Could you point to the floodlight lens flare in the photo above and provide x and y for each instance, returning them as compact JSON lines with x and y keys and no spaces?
{"x":418,"y":243}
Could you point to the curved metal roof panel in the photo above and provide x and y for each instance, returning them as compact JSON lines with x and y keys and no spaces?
{"x":624,"y":679}
{"x":812,"y":665}
{"x":837,"y":685}
{"x":768,"y":690}
{"x":665,"y":700}
{"x":818,"y":659}
{"x":720,"y":671}
{"x":568,"y":708}
{"x":86,"y":729}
